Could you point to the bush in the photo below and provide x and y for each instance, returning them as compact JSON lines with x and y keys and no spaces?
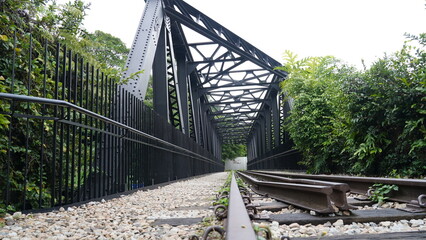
{"x":361,"y":122}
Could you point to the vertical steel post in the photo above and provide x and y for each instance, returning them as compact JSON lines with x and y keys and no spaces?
{"x":183,"y":91}
{"x":275,"y":118}
{"x":195,"y":104}
{"x":268,"y":128}
{"x":159,"y":73}
{"x":142,"y":52}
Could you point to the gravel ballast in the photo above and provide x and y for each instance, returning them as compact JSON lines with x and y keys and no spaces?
{"x":126,"y":217}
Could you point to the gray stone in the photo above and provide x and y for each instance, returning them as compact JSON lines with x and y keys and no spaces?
{"x":338,"y":223}
{"x":17,"y":215}
{"x":294,"y":225}
{"x":385,"y":224}
{"x":333,"y":231}
{"x":385,"y":205}
{"x":416,"y":222}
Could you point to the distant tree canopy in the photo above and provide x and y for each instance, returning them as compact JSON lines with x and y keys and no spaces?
{"x":231,"y":151}
{"x":64,"y":23}
{"x":369,"y":122}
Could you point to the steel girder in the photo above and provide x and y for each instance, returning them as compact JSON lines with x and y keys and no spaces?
{"x":215,"y":79}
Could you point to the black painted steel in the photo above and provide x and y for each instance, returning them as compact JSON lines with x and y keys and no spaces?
{"x":83,"y":137}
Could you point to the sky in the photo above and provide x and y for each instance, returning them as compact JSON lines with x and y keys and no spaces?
{"x":350,"y":30}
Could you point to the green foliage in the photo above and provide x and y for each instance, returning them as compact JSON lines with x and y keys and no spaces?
{"x":108,"y":51}
{"x":6,"y":209}
{"x":231,"y":151}
{"x":149,"y":97}
{"x":387,"y":110}
{"x":319,"y":118}
{"x":380,"y":192}
{"x":25,"y":26}
{"x":221,"y":201}
{"x":370,"y":122}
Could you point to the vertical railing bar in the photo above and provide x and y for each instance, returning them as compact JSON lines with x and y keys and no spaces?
{"x":130,"y":144}
{"x":108,"y":142}
{"x":112,"y":129}
{"x":143,"y":149}
{"x":86,"y":105}
{"x":127,"y":143}
{"x":61,"y":149}
{"x":119,"y":165}
{"x":122,"y":132}
{"x":55,"y":126}
{"x":12,"y":89}
{"x":67,"y":159}
{"x":119,"y":139}
{"x":133,"y":161}
{"x":110,"y":158}
{"x":12,"y":109}
{"x":92,"y":176}
{"x":113,"y":146}
{"x":74,"y":128}
{"x":98,"y":136}
{"x":117,"y":106}
{"x":103,"y":138}
{"x":24,"y":195}
{"x":137,"y":162}
{"x":116,"y":140}
{"x":120,"y":153}
{"x":43,"y":110}
{"x":133,"y":136}
{"x":80,"y":132}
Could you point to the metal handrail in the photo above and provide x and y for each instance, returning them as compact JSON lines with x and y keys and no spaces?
{"x":56,"y":102}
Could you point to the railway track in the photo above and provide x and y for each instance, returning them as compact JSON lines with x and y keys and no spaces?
{"x":324,"y":200}
{"x":409,"y":190}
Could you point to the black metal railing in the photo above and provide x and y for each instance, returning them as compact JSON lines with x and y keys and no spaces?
{"x":281,"y":157}
{"x":70,"y":133}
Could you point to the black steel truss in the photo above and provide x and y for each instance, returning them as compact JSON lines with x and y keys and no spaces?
{"x":219,"y":88}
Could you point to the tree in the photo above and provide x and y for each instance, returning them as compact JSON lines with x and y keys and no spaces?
{"x":108,"y":51}
{"x":231,"y":151}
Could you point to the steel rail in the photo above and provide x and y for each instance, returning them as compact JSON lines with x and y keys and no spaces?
{"x":408,"y":189}
{"x":62,"y":103}
{"x":238,"y":224}
{"x":311,"y":197}
{"x":338,"y":196}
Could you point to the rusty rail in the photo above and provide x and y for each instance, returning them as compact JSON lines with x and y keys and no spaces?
{"x":408,"y":189}
{"x":338,"y":196}
{"x":312,"y":197}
